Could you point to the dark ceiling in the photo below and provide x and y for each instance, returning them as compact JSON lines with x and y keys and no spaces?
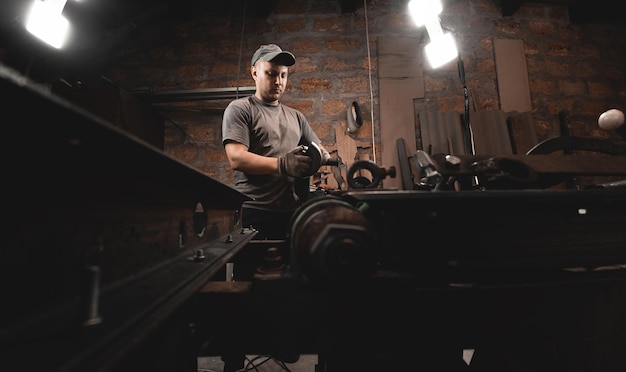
{"x":101,"y":25}
{"x":580,"y":11}
{"x":104,"y":23}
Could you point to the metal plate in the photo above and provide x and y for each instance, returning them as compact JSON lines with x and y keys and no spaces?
{"x":315,"y":153}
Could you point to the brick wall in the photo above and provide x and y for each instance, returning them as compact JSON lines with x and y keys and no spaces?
{"x":577,"y":67}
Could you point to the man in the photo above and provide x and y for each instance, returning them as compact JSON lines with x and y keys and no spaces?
{"x":269,"y":146}
{"x":266,"y":144}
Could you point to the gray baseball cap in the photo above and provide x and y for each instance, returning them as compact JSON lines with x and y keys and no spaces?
{"x":273,"y":53}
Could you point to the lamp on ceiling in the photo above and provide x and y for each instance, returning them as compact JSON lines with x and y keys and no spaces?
{"x":441,"y":50}
{"x":46,"y":21}
{"x":442,"y":47}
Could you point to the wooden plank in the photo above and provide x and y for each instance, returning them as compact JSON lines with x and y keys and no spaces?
{"x":396,"y":58}
{"x":397,"y":121}
{"x":522,"y":132}
{"x":442,"y":132}
{"x":406,"y":173}
{"x":557,"y":164}
{"x":346,"y":150}
{"x":512,"y":75}
{"x":400,"y":82}
{"x":491,"y":134}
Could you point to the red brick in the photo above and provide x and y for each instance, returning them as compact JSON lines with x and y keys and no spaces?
{"x":400,"y":21}
{"x":306,"y":107}
{"x":221,"y":68}
{"x":294,"y":24}
{"x":333,"y":106}
{"x":341,"y":44}
{"x":152,"y":72}
{"x":333,"y":63}
{"x":557,"y":68}
{"x":303,"y":65}
{"x":215,"y":154}
{"x":531,"y":10}
{"x":203,"y":133}
{"x":434,"y":85}
{"x":354,"y":85}
{"x":541,"y":28}
{"x":186,"y":72}
{"x":560,"y":50}
{"x":325,"y":131}
{"x":510,"y":27}
{"x":571,"y":88}
{"x":485,"y":7}
{"x":305,"y":46}
{"x":570,"y":32}
{"x":543,"y":86}
{"x":599,"y":90}
{"x":586,"y":69}
{"x":486,"y":65}
{"x":328,"y":23}
{"x":311,"y":85}
{"x":446,"y":104}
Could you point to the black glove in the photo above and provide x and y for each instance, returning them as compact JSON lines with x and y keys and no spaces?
{"x":294,"y":163}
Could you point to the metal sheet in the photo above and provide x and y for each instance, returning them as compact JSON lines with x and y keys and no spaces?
{"x":100,"y":234}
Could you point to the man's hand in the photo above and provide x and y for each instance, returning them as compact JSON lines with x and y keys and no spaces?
{"x":294,"y":163}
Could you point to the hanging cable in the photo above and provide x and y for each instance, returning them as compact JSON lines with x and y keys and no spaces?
{"x":369,"y":61}
{"x":243,"y":24}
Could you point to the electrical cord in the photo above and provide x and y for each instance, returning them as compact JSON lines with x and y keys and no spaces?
{"x":264,"y":358}
{"x":369,"y":68}
{"x":243,"y":23}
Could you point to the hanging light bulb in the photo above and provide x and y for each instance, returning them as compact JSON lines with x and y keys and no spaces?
{"x":424,"y":10}
{"x":46,"y":21}
{"x":442,"y":47}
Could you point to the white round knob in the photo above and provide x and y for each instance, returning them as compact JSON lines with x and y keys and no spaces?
{"x":611,"y":119}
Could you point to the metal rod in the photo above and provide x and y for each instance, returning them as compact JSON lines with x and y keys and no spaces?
{"x":467,"y":128}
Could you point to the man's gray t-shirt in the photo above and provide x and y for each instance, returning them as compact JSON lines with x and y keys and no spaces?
{"x":269,"y":131}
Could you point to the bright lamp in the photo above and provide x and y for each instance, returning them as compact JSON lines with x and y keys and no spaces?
{"x":442,"y":47}
{"x":46,"y":21}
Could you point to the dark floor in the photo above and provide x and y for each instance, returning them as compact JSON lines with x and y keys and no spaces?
{"x":306,"y":363}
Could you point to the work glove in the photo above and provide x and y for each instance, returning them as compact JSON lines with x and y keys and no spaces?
{"x":295,"y":163}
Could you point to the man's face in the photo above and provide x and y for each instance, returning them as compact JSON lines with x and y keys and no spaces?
{"x":270,"y":79}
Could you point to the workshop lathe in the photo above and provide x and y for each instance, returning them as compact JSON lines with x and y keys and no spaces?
{"x":114,"y":258}
{"x":486,"y":253}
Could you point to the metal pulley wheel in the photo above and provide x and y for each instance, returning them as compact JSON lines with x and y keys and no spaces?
{"x":315,"y":153}
{"x":377,"y":173}
{"x":332,"y":242}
